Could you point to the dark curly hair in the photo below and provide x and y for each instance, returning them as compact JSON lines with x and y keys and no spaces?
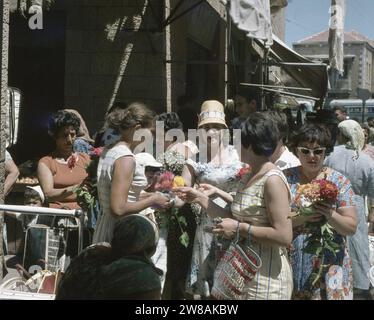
{"x":261,"y":133}
{"x":62,"y":119}
{"x":171,"y":120}
{"x":135,"y":113}
{"x":312,"y":133}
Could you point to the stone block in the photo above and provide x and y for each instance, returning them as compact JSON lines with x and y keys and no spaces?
{"x":82,"y":18}
{"x":155,"y":65}
{"x":96,"y":85}
{"x":71,"y":86}
{"x":77,"y":63}
{"x":74,"y":40}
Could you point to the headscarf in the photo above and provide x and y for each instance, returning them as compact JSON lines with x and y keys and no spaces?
{"x":129,"y":278}
{"x":83,"y":131}
{"x":355,"y":135}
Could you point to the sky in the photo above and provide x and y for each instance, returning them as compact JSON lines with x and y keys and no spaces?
{"x":307,"y":17}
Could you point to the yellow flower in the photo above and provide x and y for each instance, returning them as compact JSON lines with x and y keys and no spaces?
{"x":178,"y":182}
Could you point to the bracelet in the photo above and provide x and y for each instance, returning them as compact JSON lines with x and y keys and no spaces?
{"x":249,"y":233}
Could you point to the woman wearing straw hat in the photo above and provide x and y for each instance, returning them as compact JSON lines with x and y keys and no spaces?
{"x":218,"y":166}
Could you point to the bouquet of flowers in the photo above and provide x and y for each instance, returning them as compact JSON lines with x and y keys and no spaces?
{"x":321,"y":237}
{"x":166,"y":181}
{"x":87,"y":191}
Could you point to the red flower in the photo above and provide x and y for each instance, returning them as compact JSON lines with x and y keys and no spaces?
{"x":316,"y":263}
{"x":243,"y":171}
{"x":72,"y":160}
{"x":96,"y":152}
{"x":328,"y":190}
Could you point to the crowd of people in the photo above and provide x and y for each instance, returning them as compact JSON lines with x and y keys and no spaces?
{"x":252,"y":193}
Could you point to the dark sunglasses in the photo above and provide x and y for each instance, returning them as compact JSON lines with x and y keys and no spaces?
{"x":317,"y":151}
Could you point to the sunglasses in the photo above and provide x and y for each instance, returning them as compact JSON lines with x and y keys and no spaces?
{"x":317,"y":151}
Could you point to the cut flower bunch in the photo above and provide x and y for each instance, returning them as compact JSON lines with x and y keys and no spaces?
{"x":321,"y":236}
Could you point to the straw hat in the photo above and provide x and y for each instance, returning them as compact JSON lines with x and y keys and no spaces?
{"x":212,"y":112}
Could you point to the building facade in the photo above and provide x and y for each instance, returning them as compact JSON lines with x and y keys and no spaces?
{"x":358,"y":61}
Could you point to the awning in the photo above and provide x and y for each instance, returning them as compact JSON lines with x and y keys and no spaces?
{"x":305,"y":72}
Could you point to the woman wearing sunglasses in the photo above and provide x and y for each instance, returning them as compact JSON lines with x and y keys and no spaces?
{"x":311,"y":144}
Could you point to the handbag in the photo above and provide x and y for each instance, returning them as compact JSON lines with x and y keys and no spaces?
{"x":236,"y":269}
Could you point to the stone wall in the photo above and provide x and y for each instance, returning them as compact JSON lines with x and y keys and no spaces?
{"x":113,"y":53}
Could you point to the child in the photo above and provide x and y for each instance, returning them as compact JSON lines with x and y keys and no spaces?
{"x":147,"y":164}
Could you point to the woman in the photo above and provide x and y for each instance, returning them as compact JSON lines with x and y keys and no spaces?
{"x":171,"y":121}
{"x":348,"y":159}
{"x":61,"y":172}
{"x":368,"y":148}
{"x":119,"y":180}
{"x":83,"y":142}
{"x":259,"y":210}
{"x":311,"y":144}
{"x":218,"y":167}
{"x":123,"y":270}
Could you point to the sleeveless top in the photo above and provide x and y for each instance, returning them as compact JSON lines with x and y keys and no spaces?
{"x":64,"y":177}
{"x":249,"y":202}
{"x":104,"y":230}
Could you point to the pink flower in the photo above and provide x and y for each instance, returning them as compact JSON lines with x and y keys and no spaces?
{"x":164,"y":181}
{"x":96,"y":152}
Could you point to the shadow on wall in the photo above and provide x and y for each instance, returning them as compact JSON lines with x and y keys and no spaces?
{"x":36,"y":67}
{"x":114,"y":55}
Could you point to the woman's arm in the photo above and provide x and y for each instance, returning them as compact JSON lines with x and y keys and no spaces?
{"x":191,"y":195}
{"x":277,"y":202}
{"x":210,"y":190}
{"x":52,"y":194}
{"x":11,"y":175}
{"x":122,"y":178}
{"x":343,"y":220}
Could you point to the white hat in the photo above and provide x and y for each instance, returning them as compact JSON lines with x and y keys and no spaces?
{"x":39,"y":191}
{"x":212,"y":111}
{"x":147,"y":160}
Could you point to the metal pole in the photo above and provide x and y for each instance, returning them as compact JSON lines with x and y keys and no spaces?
{"x":363,"y":110}
{"x":168,"y":69}
{"x":4,"y":44}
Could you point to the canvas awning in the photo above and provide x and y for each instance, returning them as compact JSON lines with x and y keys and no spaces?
{"x":305,"y":72}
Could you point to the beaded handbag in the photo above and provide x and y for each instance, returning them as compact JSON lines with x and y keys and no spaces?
{"x":236,"y":269}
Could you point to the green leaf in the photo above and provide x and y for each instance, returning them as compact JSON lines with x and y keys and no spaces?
{"x":184,"y":239}
{"x":182,"y":221}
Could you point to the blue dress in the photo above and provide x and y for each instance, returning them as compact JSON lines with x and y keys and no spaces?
{"x":360,"y":171}
{"x":336,"y":282}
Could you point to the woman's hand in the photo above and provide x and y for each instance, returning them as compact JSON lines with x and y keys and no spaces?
{"x":161,"y":201}
{"x":325,"y":209}
{"x":227,"y":228}
{"x":300,"y":220}
{"x":207,"y":189}
{"x":188,"y":194}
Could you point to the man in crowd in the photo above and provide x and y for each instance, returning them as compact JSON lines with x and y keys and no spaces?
{"x":245,"y":104}
{"x":341,"y":113}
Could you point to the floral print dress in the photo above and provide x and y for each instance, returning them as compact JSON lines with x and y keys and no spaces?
{"x":336,"y":281}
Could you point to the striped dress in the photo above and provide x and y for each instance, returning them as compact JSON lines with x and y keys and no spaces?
{"x":274,"y":279}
